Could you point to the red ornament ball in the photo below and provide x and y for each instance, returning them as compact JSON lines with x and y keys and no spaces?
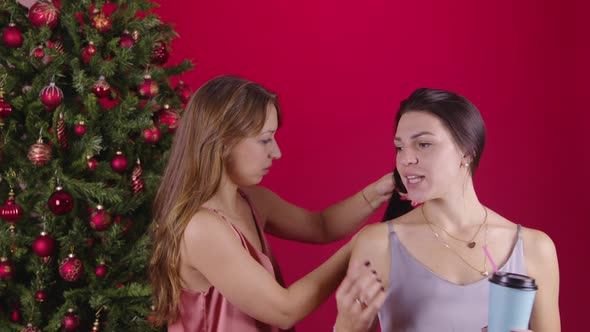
{"x":119,"y":220}
{"x":91,"y":163}
{"x":126,"y":40}
{"x":71,"y":268}
{"x":88,"y":52}
{"x":31,"y":328}
{"x":101,"y":270}
{"x":44,"y":245}
{"x":100,"y":219}
{"x":80,"y":129}
{"x":39,"y":153}
{"x":51,"y":96}
{"x":90,"y":49}
{"x":60,"y":202}
{"x":183,"y":92}
{"x":15,"y":316}
{"x":12,"y":37}
{"x":148,"y":88}
{"x":169,"y":118}
{"x":119,"y":163}
{"x":152,"y":135}
{"x":5,"y":108}
{"x":101,"y":22}
{"x":7,"y":269}
{"x":70,"y":322}
{"x":43,"y":13}
{"x":11,"y":211}
{"x":38,"y":52}
{"x":159,"y":53}
{"x":40,"y":296}
{"x":101,"y":88}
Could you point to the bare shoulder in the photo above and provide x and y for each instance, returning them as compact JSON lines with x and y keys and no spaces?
{"x":371,"y":234}
{"x":537,"y":244}
{"x":206,"y":229}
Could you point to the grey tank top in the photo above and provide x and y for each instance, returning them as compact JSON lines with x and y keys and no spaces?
{"x":420,"y":301}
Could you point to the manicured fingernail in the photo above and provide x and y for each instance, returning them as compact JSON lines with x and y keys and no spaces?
{"x":379,"y":280}
{"x":373,"y":271}
{"x":383,"y":289}
{"x":367,"y":263}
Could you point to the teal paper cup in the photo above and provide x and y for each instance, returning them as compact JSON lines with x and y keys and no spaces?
{"x":511,"y":301}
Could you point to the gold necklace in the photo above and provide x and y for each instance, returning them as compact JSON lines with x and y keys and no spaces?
{"x":483,"y":272}
{"x":471,"y":243}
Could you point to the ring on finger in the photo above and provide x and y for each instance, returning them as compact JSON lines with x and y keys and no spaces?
{"x":362,"y":303}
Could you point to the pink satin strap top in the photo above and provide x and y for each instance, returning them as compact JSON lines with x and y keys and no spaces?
{"x":210,"y":311}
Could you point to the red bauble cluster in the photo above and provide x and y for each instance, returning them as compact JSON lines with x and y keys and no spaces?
{"x":126,"y":40}
{"x":148,"y":88}
{"x":12,"y":37}
{"x":11,"y":211}
{"x":70,"y":322}
{"x":153,"y":134}
{"x":39,"y":153}
{"x":101,"y":88}
{"x":100,"y":219}
{"x":119,"y":163}
{"x":51,"y":96}
{"x":6,"y":269}
{"x":60,"y":202}
{"x":44,"y":13}
{"x":44,"y":245}
{"x":101,"y":270}
{"x":169,"y":118}
{"x":183,"y":92}
{"x":159,"y":53}
{"x":71,"y":268}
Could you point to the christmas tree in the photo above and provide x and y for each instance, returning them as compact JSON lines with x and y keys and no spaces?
{"x":87,"y":113}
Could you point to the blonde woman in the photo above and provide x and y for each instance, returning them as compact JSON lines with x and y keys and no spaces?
{"x":211,"y":267}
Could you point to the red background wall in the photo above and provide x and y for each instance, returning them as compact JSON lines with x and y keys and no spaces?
{"x":341,"y":69}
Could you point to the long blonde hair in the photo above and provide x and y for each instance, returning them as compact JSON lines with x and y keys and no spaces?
{"x":222,"y":112}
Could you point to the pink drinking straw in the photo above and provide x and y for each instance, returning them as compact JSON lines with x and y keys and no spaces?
{"x":485,"y":250}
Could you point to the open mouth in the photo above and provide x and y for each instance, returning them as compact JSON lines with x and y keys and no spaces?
{"x":414,"y":179}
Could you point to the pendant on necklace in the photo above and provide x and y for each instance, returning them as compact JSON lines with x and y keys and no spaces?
{"x":471,"y":245}
{"x":485,"y":273}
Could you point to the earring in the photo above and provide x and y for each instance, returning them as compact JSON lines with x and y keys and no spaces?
{"x":466,"y":165}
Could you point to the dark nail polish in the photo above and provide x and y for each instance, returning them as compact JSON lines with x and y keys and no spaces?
{"x":367,"y":263}
{"x":382,"y":289}
{"x":373,"y":271}
{"x":379,"y":280}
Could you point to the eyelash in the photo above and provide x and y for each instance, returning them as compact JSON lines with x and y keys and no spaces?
{"x":266,"y":141}
{"x":420,"y":145}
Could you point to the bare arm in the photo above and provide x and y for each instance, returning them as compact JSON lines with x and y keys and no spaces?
{"x":288,"y":221}
{"x":370,"y":246}
{"x":217,"y":253}
{"x":541,"y":259}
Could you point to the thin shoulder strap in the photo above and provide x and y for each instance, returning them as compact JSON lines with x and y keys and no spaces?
{"x":222,"y":216}
{"x":390,"y":226}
